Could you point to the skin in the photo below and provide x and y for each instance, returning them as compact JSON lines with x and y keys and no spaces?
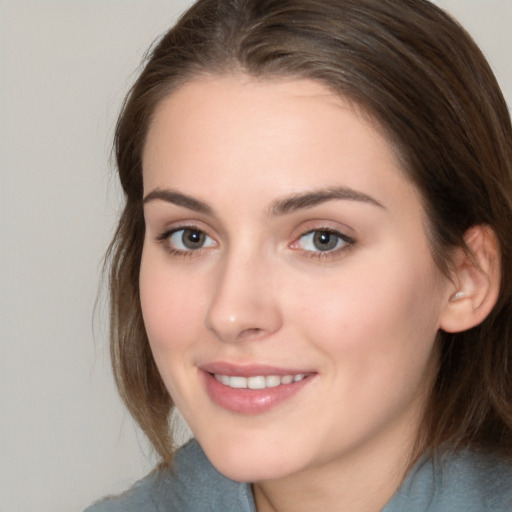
{"x":361,"y":318}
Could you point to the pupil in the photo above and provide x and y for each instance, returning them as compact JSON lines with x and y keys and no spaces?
{"x":192,"y":239}
{"x":325,"y":241}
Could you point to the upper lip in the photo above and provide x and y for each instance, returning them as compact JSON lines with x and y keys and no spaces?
{"x":249,"y":370}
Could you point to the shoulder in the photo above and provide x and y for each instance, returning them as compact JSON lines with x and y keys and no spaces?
{"x":465,"y":481}
{"x":190,"y":484}
{"x":479,"y":478}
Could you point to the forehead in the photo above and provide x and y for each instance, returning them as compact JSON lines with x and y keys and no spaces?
{"x":211,"y":106}
{"x":225,"y":136}
{"x":252,"y":116}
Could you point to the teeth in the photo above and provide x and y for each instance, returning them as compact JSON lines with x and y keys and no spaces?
{"x":237,"y":382}
{"x":271,"y":381}
{"x":223,"y":378}
{"x":287,"y":379}
{"x":256,"y":382}
{"x":259,"y":381}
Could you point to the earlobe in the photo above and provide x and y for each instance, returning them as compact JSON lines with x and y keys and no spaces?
{"x":476,"y":281}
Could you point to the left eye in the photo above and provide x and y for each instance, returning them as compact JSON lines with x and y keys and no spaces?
{"x":322,"y":241}
{"x":190,"y":239}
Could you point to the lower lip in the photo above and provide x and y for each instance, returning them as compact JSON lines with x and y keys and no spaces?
{"x":251,"y":401}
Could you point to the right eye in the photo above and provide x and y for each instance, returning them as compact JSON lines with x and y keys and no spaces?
{"x":323,"y":241}
{"x":187,"y":240}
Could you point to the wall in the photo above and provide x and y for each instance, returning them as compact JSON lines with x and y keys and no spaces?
{"x":64,"y":68}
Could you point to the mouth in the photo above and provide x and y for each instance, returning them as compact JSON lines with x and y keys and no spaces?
{"x":252,"y":390}
{"x":258,"y":381}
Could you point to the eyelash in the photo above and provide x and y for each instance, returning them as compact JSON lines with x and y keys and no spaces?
{"x":165,"y":239}
{"x":347,"y":242}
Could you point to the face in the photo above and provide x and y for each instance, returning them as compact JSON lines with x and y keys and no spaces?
{"x":287,"y":287}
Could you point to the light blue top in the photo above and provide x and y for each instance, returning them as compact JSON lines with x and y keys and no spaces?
{"x":465,"y":482}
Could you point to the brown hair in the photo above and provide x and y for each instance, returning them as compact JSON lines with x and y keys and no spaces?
{"x":420,"y":76}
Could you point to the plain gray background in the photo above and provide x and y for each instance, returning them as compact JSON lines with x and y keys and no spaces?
{"x":64,"y":69}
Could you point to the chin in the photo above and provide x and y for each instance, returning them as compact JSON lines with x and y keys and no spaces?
{"x":244,"y":461}
{"x":255,"y":470}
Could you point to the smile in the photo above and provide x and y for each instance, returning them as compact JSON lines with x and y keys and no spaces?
{"x":253,"y":389}
{"x":258,"y":381}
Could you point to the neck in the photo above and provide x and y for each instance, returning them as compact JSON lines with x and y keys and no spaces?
{"x":363,"y":480}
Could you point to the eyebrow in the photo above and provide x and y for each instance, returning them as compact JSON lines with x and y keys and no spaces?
{"x":281,"y":207}
{"x":306,"y":200}
{"x":179,"y":199}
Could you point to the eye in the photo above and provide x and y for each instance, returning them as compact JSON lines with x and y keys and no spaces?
{"x":188,"y":239}
{"x":322,"y":240}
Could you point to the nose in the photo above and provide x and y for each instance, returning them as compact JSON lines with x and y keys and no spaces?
{"x":244,"y":303}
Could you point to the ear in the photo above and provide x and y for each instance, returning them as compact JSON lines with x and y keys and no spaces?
{"x":475,"y":285}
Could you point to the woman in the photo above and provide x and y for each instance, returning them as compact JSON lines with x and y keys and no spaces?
{"x":314,"y":261}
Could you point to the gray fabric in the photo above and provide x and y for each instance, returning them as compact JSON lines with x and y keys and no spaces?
{"x":462,"y":482}
{"x":193,"y":486}
{"x":466,"y":482}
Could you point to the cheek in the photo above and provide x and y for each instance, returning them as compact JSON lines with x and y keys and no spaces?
{"x":170,"y":308}
{"x":380,"y":315}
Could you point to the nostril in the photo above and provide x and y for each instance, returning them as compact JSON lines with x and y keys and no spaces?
{"x":252,"y":332}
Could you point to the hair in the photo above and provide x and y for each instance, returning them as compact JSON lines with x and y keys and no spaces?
{"x":422,"y":79}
